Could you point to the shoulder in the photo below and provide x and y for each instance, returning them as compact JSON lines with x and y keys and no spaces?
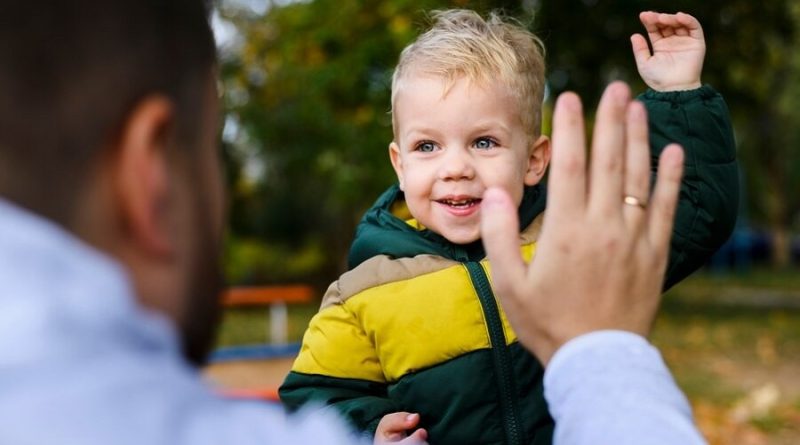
{"x":381,"y":270}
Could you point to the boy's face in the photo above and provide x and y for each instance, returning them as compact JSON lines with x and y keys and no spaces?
{"x":449,"y":150}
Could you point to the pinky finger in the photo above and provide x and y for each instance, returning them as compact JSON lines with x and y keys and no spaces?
{"x":664,"y":201}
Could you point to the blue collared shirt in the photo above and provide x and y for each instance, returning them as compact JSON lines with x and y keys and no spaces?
{"x":82,"y":363}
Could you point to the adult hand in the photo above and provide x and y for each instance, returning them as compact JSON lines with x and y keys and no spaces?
{"x":601,"y":257}
{"x":678,"y":51}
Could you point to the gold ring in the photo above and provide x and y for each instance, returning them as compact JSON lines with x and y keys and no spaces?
{"x":634,"y":201}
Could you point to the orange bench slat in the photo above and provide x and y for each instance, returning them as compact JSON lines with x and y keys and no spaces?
{"x":268,"y":394}
{"x":265,"y":295}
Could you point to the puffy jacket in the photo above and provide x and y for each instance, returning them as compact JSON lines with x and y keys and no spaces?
{"x":414,"y":325}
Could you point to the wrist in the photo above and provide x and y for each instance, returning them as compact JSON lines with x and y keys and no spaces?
{"x":677,"y":87}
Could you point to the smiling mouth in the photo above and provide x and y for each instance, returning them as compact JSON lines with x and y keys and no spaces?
{"x":460,"y":203}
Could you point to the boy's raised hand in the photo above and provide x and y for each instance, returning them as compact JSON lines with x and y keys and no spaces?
{"x":392,"y":429}
{"x":678,"y":51}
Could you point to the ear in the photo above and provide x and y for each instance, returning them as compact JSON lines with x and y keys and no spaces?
{"x":142,"y":178}
{"x":397,"y":163}
{"x":538,"y":159}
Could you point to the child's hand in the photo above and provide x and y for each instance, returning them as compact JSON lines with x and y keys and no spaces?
{"x":392,"y":429}
{"x":678,"y":51}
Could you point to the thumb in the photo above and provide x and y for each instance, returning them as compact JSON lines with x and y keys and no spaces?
{"x":641,"y":52}
{"x":500,"y":233}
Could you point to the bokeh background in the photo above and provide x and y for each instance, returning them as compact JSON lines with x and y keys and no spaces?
{"x":306,"y":92}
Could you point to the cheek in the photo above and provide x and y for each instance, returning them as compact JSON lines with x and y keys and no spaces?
{"x":415,"y":180}
{"x":511,"y":178}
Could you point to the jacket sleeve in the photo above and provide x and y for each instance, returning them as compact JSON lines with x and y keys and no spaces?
{"x":338,"y":367}
{"x":699,"y":121}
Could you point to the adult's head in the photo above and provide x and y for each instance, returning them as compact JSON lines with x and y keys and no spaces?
{"x":108,"y":125}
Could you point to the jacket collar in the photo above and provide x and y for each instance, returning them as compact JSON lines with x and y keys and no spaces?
{"x":380,"y":232}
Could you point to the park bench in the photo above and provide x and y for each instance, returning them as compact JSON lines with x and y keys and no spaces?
{"x":276,"y":300}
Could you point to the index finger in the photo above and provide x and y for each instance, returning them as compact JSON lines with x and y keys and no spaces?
{"x":649,"y":20}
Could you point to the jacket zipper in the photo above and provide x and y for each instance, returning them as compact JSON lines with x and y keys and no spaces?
{"x":500,"y":353}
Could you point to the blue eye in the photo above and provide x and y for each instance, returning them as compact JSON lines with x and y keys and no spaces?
{"x":485,"y":143}
{"x":426,"y":147}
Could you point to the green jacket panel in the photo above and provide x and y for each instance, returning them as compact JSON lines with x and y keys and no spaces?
{"x":699,"y":120}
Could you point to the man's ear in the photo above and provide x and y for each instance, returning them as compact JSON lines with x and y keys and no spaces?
{"x":142,"y":175}
{"x":538,"y":159}
{"x":397,"y":162}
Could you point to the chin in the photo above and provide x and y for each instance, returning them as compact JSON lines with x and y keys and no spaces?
{"x":462,"y":237}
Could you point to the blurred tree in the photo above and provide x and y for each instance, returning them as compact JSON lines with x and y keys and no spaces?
{"x":752,"y":58}
{"x":307,"y":96}
{"x":309,"y":89}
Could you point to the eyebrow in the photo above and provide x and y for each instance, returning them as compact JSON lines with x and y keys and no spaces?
{"x":491,"y":126}
{"x":431,"y":131}
{"x":482,"y":127}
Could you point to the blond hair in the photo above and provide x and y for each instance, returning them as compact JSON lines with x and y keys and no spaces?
{"x":461,"y":43}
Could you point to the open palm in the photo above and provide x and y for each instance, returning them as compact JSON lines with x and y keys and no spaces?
{"x":678,"y":51}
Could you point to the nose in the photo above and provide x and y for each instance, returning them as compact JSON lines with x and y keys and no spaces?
{"x":456,"y":165}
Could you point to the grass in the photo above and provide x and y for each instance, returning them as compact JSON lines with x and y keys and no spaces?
{"x":243,"y":326}
{"x":733,"y":343}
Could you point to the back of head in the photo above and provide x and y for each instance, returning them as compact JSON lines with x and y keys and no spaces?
{"x":462,"y":43}
{"x":71,"y":71}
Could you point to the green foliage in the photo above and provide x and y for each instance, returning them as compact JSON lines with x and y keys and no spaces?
{"x":309,"y":91}
{"x":253,"y":261}
{"x":753,"y":58}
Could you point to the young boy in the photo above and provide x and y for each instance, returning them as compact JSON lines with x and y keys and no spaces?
{"x":414,"y":326}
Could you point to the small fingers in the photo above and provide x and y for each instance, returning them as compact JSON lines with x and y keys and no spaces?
{"x":660,"y":25}
{"x":641,"y":52}
{"x":666,"y":21}
{"x":418,"y":437}
{"x":690,"y":24}
{"x":666,"y":31}
{"x":665,"y":197}
{"x":649,"y":20}
{"x":394,"y":426}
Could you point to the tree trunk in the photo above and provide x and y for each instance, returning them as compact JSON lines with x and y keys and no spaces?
{"x":780,"y":246}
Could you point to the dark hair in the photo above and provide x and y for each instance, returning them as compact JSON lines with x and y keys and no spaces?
{"x":71,"y":72}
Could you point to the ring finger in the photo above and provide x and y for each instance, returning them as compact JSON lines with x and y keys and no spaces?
{"x":637,"y":167}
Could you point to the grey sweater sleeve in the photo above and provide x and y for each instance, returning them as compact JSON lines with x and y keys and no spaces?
{"x":612,"y":387}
